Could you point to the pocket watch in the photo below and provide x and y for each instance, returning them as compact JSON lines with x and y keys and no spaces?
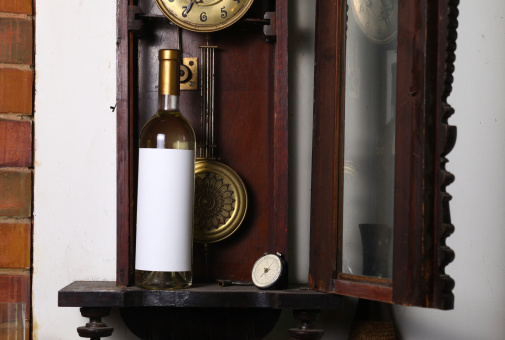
{"x":204,"y":15}
{"x":378,"y":19}
{"x":269,"y":271}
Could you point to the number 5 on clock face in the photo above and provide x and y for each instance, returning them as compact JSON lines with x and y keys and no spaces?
{"x":204,"y":15}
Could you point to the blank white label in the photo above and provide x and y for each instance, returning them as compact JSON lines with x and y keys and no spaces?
{"x":165,"y":210}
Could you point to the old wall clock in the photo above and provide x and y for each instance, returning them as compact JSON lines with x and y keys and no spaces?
{"x":204,"y":15}
{"x":252,"y":135}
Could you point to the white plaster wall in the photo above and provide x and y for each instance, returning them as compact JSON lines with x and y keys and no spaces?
{"x":75,"y":156}
{"x":75,"y":174}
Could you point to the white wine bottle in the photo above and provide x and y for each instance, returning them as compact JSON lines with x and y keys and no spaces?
{"x":164,"y":241}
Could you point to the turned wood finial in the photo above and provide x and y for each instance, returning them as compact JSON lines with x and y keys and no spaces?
{"x":306,"y":330}
{"x":95,"y":328}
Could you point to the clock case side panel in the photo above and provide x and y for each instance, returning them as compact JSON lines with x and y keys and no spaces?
{"x":325,"y":207}
{"x":251,"y":101}
{"x":125,"y":159}
{"x":424,"y":138}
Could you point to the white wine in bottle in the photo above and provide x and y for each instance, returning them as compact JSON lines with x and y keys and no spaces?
{"x":164,"y":241}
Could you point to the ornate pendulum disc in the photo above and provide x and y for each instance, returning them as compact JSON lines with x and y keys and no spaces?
{"x":220,"y":193}
{"x":220,"y":201}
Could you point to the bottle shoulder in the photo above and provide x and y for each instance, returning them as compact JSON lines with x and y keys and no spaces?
{"x":172,"y":125}
{"x":163,"y":118}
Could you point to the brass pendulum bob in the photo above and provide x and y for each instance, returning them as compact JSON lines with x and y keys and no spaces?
{"x":220,"y":193}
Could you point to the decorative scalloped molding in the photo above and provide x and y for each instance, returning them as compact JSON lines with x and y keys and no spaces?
{"x":446,"y":254}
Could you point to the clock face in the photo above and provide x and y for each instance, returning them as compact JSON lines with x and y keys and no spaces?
{"x":204,"y":15}
{"x":378,"y":19}
{"x":267,"y":271}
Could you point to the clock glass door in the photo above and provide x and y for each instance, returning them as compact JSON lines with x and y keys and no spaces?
{"x":367,"y":129}
{"x":383,"y":70}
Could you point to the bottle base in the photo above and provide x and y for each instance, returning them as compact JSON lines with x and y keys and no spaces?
{"x":163,"y":280}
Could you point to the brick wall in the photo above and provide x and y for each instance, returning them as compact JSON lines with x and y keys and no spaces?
{"x":16,"y":153}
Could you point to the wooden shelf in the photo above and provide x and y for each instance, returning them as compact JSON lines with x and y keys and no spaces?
{"x":107,"y":294}
{"x":230,"y":312}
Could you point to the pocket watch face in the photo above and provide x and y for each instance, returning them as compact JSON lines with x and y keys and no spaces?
{"x":204,"y":15}
{"x":267,"y":271}
{"x":378,"y":19}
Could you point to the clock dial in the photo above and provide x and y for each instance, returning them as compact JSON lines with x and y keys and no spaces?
{"x":204,"y":15}
{"x":378,"y":19}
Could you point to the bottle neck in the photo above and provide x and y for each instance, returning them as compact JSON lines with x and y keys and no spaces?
{"x":168,"y":102}
{"x":169,"y":88}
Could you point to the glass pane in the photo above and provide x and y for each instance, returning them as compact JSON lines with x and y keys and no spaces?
{"x":12,"y":320}
{"x":369,"y":133}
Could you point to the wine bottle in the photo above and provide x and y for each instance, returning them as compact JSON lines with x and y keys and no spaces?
{"x":164,"y":240}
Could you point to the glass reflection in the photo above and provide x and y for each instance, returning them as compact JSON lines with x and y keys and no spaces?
{"x":369,"y":133}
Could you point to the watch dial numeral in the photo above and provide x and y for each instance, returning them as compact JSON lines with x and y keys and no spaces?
{"x":184,"y":11}
{"x":203,"y":17}
{"x":224,"y":14}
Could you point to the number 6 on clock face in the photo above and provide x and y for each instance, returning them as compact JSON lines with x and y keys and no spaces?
{"x":204,"y":15}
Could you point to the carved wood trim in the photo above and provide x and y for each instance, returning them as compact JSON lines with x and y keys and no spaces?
{"x":95,"y":329}
{"x":448,"y":139}
{"x":306,"y":329}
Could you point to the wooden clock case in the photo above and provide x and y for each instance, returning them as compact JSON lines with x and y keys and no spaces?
{"x":250,"y":126}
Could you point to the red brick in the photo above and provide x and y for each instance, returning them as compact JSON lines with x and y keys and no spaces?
{"x":16,"y":91}
{"x":15,"y":245}
{"x":15,"y":193}
{"x":16,"y":41}
{"x":16,"y":6}
{"x":15,"y":143}
{"x":16,"y":288}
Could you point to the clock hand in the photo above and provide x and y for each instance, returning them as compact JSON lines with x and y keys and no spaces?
{"x":211,"y":3}
{"x":188,"y":8}
{"x":266,"y":270}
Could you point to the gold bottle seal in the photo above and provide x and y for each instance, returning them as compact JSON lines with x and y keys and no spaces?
{"x":169,"y":72}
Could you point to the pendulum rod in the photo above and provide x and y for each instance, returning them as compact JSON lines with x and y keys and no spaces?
{"x":207,"y":92}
